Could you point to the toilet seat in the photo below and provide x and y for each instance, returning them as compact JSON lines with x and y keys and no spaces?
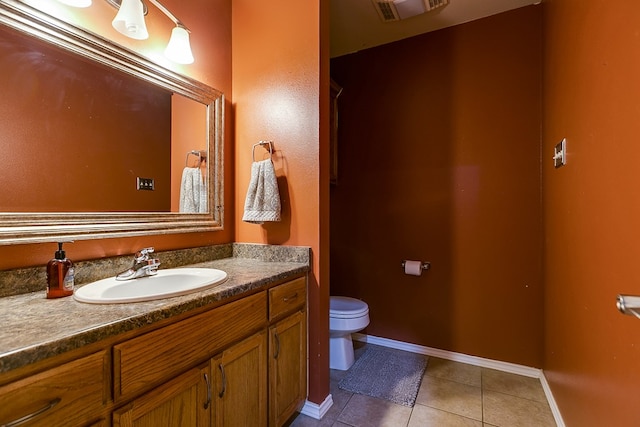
{"x":347,"y":308}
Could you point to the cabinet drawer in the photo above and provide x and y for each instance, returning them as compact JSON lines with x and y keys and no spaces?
{"x":148,"y":360}
{"x":287,"y":297}
{"x":71,"y":394}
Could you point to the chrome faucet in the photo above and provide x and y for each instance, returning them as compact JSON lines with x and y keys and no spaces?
{"x":143,"y":266}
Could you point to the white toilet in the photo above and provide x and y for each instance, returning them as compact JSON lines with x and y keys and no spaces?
{"x":346,"y":316}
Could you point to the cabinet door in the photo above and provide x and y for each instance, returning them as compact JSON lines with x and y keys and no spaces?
{"x":240,"y":391}
{"x":287,"y":367}
{"x":182,"y":402}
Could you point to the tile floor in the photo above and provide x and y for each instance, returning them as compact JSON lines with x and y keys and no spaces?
{"x":452,"y":394}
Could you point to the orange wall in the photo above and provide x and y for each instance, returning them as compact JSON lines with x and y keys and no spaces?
{"x":210,"y":25}
{"x":277,"y":87}
{"x":591,"y":209}
{"x":439,"y":160}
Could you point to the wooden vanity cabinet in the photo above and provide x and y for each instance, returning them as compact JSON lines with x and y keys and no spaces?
{"x":287,"y":350}
{"x":240,"y":364}
{"x":75,"y":393}
{"x":249,"y":386}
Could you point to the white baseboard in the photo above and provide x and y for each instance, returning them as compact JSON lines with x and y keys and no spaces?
{"x":552,"y":402}
{"x":316,"y":411}
{"x":470,"y":360}
{"x":450,"y":355}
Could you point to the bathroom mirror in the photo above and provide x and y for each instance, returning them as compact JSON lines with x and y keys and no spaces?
{"x":171,"y":91}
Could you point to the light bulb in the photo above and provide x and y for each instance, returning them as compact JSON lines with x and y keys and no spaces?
{"x":179,"y":50}
{"x":130,"y":20}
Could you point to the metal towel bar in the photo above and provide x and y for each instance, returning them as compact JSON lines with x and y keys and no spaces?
{"x":261,"y":143}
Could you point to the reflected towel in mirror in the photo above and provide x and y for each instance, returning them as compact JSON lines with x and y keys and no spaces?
{"x":263,"y":199}
{"x":193,"y":192}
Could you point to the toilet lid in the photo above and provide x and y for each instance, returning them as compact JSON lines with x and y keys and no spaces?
{"x":345,"y":307}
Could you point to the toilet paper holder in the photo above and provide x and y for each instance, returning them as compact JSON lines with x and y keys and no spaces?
{"x":425,"y":265}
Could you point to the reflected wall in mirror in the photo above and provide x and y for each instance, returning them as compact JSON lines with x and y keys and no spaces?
{"x":82,"y":120}
{"x":76,"y":134}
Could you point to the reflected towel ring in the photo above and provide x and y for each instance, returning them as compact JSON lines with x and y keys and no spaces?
{"x":261,"y":143}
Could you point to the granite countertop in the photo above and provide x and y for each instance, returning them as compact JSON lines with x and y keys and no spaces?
{"x":35,"y":328}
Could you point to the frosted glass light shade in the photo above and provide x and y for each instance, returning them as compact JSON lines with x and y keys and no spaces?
{"x":130,"y":20}
{"x":179,"y":50}
{"x":76,"y":3}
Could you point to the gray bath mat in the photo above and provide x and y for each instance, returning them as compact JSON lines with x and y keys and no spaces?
{"x":386,"y":373}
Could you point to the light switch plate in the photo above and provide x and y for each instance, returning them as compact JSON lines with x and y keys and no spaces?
{"x":560,"y":154}
{"x":145,"y":184}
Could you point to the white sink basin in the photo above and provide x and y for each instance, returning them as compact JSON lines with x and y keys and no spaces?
{"x":167,"y":283}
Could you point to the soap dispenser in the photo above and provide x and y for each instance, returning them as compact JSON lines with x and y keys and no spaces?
{"x":60,"y":275}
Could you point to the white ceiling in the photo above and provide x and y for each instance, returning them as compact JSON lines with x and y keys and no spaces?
{"x":355,"y":24}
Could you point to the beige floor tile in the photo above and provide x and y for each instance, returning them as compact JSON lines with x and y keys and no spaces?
{"x":515,"y":385}
{"x":365,"y":411}
{"x":451,"y":396}
{"x":424,"y":416}
{"x":454,"y":371}
{"x":336,"y":375}
{"x":505,"y":410}
{"x":340,"y":399}
{"x":305,"y":421}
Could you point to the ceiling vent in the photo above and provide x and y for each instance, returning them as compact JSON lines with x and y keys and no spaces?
{"x":435,"y":4}
{"x":395,"y":10}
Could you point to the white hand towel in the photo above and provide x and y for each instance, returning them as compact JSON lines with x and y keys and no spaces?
{"x":191,"y":192}
{"x":263,"y":199}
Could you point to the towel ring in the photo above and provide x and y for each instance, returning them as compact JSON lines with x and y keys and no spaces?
{"x":261,"y":143}
{"x":198,"y":153}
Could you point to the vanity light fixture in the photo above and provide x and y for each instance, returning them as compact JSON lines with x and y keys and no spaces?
{"x":130,"y":21}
